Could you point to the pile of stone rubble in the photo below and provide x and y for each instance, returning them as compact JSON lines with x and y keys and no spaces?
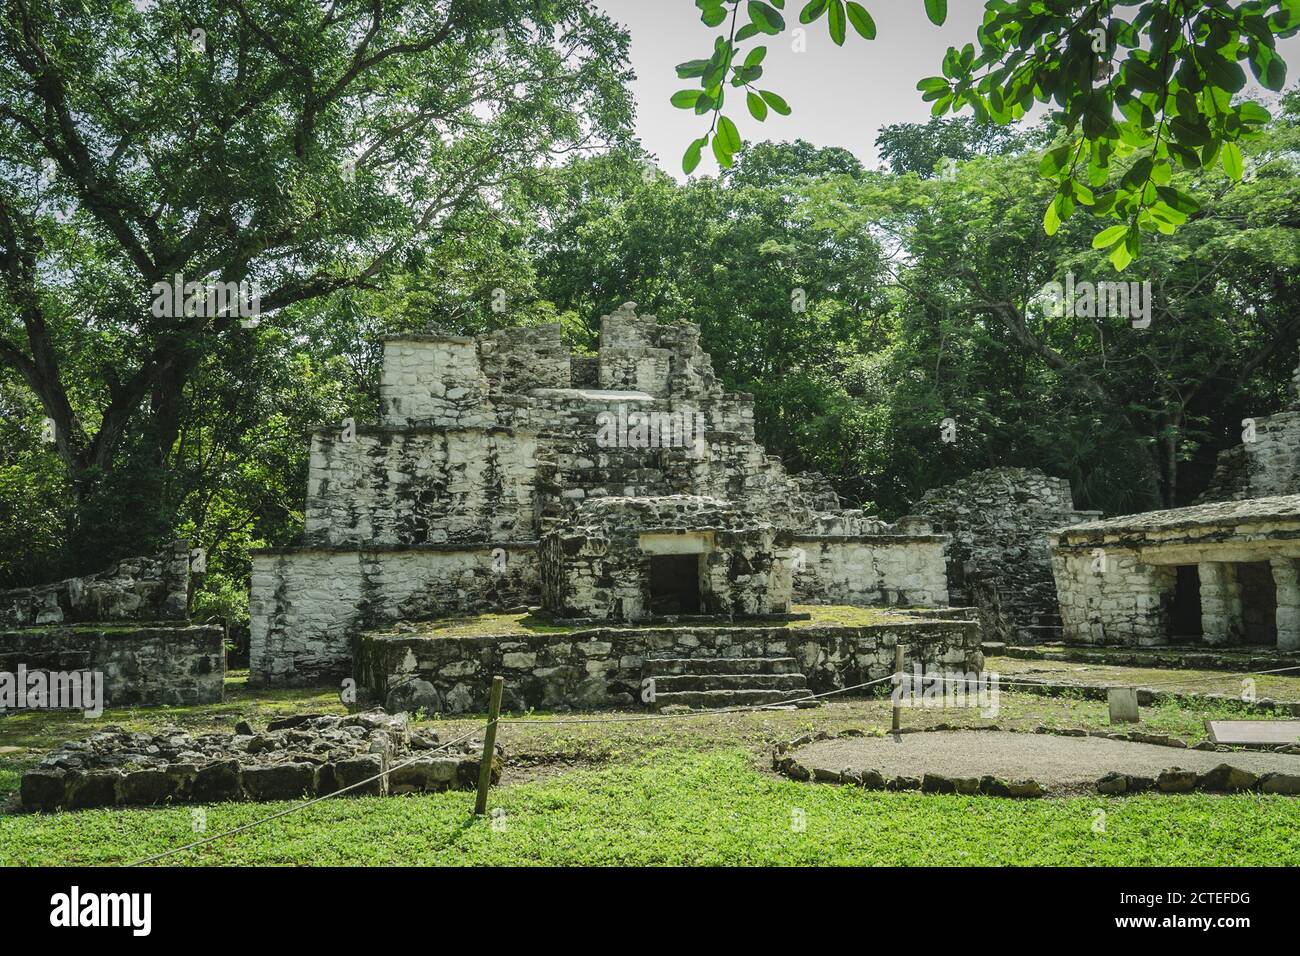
{"x":300,"y":756}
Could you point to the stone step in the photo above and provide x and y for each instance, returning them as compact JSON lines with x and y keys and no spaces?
{"x":669,"y":666}
{"x":712,"y":699}
{"x":672,"y":683}
{"x":1038,"y":633}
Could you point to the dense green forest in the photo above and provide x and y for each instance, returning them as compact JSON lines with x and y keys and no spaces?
{"x":860,"y":307}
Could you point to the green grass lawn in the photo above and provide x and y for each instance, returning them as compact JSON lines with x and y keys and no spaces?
{"x":674,"y":808}
{"x":691,"y":790}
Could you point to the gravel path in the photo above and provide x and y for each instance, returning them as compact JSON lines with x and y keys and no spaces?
{"x":1058,"y":763}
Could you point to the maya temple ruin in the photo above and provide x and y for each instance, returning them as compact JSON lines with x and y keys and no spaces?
{"x":618,"y":504}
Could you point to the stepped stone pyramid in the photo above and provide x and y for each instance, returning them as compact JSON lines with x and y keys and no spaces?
{"x":622,"y":487}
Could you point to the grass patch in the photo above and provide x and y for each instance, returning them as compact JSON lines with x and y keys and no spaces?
{"x":524,"y":622}
{"x":679,"y":808}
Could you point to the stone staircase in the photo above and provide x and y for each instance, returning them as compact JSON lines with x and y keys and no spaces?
{"x":709,"y":682}
{"x":1046,"y":628}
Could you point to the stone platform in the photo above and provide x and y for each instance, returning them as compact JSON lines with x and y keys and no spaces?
{"x":615,"y":666}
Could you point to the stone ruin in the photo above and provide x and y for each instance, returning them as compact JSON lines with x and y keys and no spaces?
{"x":998,"y":559}
{"x":128,"y":625}
{"x":622,"y":487}
{"x":294,"y":757}
{"x":1224,"y":572}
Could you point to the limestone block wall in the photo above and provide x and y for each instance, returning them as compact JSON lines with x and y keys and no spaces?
{"x":434,"y":380}
{"x":306,"y":604}
{"x":1269,"y":465}
{"x":153,"y":588}
{"x":876,"y":569}
{"x":518,"y":360}
{"x":604,"y":667}
{"x":998,"y":557}
{"x":141,"y":666}
{"x":1112,"y":597}
{"x":416,"y":486}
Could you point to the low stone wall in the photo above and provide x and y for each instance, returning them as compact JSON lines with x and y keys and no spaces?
{"x":1126,"y":602}
{"x":294,"y":757}
{"x":603,"y":667}
{"x":142,"y":666}
{"x":154,"y":588}
{"x":306,"y":604}
{"x":885,"y":569}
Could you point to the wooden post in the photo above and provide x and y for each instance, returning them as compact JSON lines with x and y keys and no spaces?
{"x":489,"y":747}
{"x":898,"y":681}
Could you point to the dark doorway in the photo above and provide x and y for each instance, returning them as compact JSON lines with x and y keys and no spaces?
{"x":1185,"y":615}
{"x":675,"y":584}
{"x":1258,"y":603}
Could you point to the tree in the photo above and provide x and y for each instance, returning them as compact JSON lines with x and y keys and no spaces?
{"x":1166,"y":105}
{"x":304,"y":149}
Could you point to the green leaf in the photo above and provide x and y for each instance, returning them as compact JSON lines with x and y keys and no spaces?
{"x":861,"y":20}
{"x":721,"y":153}
{"x":691,"y":69}
{"x":692,"y":158}
{"x":937,"y":11}
{"x":778,"y":104}
{"x":1051,"y":221}
{"x":1120,"y":256}
{"x":813,"y":11}
{"x":686,"y":99}
{"x":728,"y":133}
{"x":1233,"y":163}
{"x":1054,"y":161}
{"x":756,"y":56}
{"x":837,"y":22}
{"x":765,"y":17}
{"x":1108,"y":237}
{"x":757,"y":107}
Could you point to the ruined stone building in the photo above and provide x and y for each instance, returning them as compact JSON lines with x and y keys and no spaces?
{"x":622,"y":486}
{"x":998,"y":559}
{"x":1220,"y":572}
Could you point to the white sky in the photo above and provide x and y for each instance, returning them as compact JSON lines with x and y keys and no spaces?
{"x":840,"y":96}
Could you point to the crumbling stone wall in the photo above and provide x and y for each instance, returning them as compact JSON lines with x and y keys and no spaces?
{"x":1112,"y":597}
{"x":423,"y":485}
{"x":604,"y":667}
{"x":368,"y":754}
{"x":998,"y":558}
{"x":307,"y":603}
{"x":141,"y":666}
{"x":1267,"y":465}
{"x":154,"y":588}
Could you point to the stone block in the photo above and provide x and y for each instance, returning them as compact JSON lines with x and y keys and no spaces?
{"x":42,"y":789}
{"x":217,"y":782}
{"x":282,"y":781}
{"x":361,"y":770}
{"x":98,"y":788}
{"x":147,"y":787}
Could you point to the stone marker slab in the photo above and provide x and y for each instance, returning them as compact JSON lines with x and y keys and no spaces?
{"x":1123,"y":705}
{"x":1245,"y":733}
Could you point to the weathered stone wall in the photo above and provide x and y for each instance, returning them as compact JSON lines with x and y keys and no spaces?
{"x":604,"y":667}
{"x":154,"y":588}
{"x":417,"y":486}
{"x":142,"y":666}
{"x":889,"y":568}
{"x":998,"y":558}
{"x":1126,"y":603}
{"x":307,"y":604}
{"x":1269,"y":465}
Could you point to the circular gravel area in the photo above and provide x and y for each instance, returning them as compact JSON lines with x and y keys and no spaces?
{"x":1061,"y":764}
